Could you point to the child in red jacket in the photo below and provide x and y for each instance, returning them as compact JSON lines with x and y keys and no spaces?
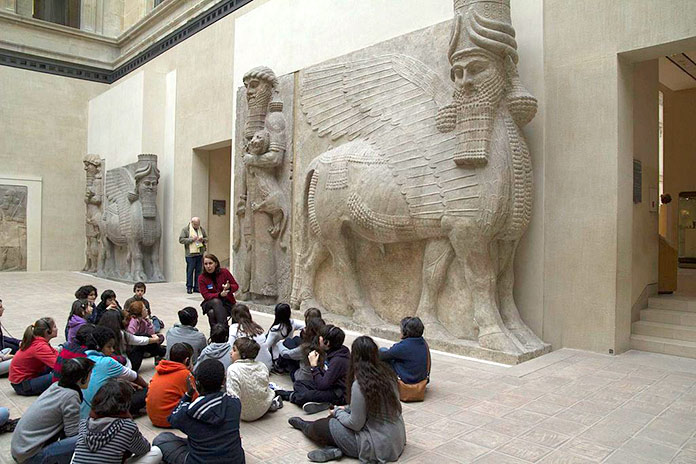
{"x":31,"y":368}
{"x":169,"y":384}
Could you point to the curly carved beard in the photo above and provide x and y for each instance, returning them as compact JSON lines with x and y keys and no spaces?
{"x":148,"y":202}
{"x":475,"y":115}
{"x":258,"y":107}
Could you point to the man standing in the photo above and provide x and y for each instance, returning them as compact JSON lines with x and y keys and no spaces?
{"x":194,"y":238}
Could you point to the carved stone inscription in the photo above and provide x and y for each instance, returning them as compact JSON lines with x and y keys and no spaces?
{"x":131,"y":223}
{"x":13,"y":228}
{"x":263,"y":173}
{"x":419,"y":150}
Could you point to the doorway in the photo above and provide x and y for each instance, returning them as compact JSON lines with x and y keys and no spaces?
{"x":219,"y":182}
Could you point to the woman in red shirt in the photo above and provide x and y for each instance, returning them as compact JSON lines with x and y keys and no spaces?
{"x":31,"y":368}
{"x":217,"y":286}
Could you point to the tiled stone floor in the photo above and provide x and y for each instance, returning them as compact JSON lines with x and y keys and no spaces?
{"x":566,"y":407}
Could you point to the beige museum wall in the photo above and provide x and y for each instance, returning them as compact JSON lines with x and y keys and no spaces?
{"x":44,"y":135}
{"x":219,"y":189}
{"x":588,"y":275}
{"x":680,"y":148}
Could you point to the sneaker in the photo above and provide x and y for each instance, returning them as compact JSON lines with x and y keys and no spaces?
{"x":324,"y":454}
{"x":277,"y":403}
{"x":189,"y":291}
{"x":298,"y":423}
{"x":9,"y":426}
{"x":313,"y":407}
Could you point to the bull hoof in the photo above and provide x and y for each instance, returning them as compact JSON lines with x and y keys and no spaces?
{"x":367,"y":317}
{"x":499,"y":341}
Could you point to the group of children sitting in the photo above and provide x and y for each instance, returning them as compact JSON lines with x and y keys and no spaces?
{"x":91,"y":390}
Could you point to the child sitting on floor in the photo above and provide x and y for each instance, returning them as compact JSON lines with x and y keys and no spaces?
{"x":139,"y":290}
{"x":211,"y":423}
{"x":409,"y":357}
{"x":47,"y":432}
{"x":328,"y":384}
{"x":72,"y":350}
{"x":30,"y":370}
{"x":79,"y":313}
{"x":110,"y":435}
{"x":169,"y":383}
{"x":218,"y":347}
{"x":186,"y":332}
{"x":247,"y":380}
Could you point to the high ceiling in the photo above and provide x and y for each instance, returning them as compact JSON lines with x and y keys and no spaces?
{"x":678,"y":72}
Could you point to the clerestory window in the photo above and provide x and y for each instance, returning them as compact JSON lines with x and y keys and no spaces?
{"x":65,"y":12}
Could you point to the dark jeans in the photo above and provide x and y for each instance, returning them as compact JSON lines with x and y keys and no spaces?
{"x":11,"y":343}
{"x":137,"y":353}
{"x":217,"y":311}
{"x":58,"y":452}
{"x":35,"y":386}
{"x":174,"y":449}
{"x":306,"y":391}
{"x":194,"y":264}
{"x":138,"y":401}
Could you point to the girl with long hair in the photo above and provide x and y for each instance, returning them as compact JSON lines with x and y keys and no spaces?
{"x":30,"y":370}
{"x":309,"y":341}
{"x":283,"y":327}
{"x":79,"y":312}
{"x":127,"y":344}
{"x":244,"y":326}
{"x":217,"y":286}
{"x":372,"y":429}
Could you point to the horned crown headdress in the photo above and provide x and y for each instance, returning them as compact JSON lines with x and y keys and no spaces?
{"x":482,"y":24}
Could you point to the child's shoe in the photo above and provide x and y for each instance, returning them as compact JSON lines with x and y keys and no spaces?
{"x":314,"y":407}
{"x":324,"y":454}
{"x":277,"y":403}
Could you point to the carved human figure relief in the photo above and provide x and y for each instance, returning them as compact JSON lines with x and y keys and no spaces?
{"x":425,"y":157}
{"x":131,"y":222}
{"x":13,"y":228}
{"x":263,"y":207}
{"x":94,"y":192}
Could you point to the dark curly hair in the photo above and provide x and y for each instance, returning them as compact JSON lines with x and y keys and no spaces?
{"x":376,"y":379}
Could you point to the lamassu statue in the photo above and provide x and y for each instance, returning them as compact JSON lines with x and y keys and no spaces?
{"x":426,"y":161}
{"x":131,"y":221}
{"x":93,"y":201}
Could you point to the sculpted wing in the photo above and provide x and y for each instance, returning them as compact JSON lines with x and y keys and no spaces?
{"x":392,"y":101}
{"x":119,"y":182}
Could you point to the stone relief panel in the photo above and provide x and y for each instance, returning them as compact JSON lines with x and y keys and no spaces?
{"x":414,"y":184}
{"x":263,"y":160}
{"x":13,"y":228}
{"x":130,"y":226}
{"x":94,"y":194}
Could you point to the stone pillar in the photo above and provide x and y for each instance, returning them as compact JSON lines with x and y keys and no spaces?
{"x":92,"y":16}
{"x":25,"y":8}
{"x":8,"y":5}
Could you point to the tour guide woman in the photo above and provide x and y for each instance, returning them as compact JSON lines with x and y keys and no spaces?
{"x":217,"y":286}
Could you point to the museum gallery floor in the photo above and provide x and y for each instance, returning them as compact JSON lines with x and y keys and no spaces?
{"x":565,"y":407}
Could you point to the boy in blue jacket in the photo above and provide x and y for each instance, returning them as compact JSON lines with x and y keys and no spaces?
{"x":211,"y":423}
{"x":409,"y":357}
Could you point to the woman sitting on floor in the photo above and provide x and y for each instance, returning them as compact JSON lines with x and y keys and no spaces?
{"x":372,"y":428}
{"x":409,"y":357}
{"x":30,"y":370}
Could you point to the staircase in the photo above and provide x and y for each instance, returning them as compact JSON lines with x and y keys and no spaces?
{"x":667,"y":325}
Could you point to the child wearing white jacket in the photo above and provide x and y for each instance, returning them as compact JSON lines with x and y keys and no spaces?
{"x":247,"y":379}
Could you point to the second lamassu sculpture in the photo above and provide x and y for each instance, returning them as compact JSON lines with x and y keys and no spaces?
{"x":94,"y":193}
{"x":426,"y":160}
{"x":131,"y":222}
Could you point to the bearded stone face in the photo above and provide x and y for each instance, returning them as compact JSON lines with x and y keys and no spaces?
{"x":147,"y":190}
{"x":258,"y":92}
{"x":479,"y":80}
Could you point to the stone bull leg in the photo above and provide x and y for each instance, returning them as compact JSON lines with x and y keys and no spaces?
{"x":508,"y":308}
{"x":136,"y":268}
{"x":303,"y":295}
{"x":154,"y":260}
{"x":473,"y":250}
{"x":436,"y":261}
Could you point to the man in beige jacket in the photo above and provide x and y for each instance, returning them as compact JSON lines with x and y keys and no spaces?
{"x":194,"y":239}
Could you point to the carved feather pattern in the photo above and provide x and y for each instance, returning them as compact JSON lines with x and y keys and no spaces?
{"x":119,"y":182}
{"x":391,"y":101}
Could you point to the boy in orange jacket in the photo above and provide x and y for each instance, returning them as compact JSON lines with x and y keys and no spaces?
{"x":169,"y":384}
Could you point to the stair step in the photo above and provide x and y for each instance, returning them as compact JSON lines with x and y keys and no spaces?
{"x":663,"y":346}
{"x":667,"y":316}
{"x":662,"y":330}
{"x":673,"y":302}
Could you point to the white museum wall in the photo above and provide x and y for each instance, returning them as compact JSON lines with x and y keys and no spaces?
{"x":44,"y":135}
{"x":588,"y":140}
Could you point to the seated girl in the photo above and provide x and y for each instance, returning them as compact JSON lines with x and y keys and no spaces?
{"x":409,"y":357}
{"x":8,"y":347}
{"x":30,"y":369}
{"x":133,"y":346}
{"x":110,"y":435}
{"x":309,"y":343}
{"x":80,"y":311}
{"x":100,"y":348}
{"x":47,"y":432}
{"x":283,"y":327}
{"x":371,"y":428}
{"x":244,"y":326}
{"x":108,"y":301}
